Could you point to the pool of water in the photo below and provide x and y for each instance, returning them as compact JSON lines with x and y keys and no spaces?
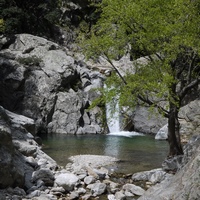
{"x":136,"y":153}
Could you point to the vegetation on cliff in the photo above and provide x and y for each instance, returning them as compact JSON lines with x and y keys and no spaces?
{"x":167,"y":35}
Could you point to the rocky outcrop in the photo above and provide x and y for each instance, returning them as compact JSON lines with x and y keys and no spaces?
{"x":43,"y":81}
{"x":20,"y":155}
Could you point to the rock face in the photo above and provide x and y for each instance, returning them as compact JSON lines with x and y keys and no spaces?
{"x":19,"y":153}
{"x":147,"y":122}
{"x":41,"y":80}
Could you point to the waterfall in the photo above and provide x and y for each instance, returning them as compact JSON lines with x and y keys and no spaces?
{"x":113,"y":116}
{"x":113,"y":119}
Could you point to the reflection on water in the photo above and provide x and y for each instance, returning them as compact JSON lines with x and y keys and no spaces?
{"x":136,"y":153}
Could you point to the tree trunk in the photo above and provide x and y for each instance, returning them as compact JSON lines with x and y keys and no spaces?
{"x":175,"y":147}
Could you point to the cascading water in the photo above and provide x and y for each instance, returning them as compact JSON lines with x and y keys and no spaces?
{"x":113,"y":119}
{"x":112,"y":115}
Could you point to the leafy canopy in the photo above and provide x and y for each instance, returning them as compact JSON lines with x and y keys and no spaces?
{"x":166,"y":33}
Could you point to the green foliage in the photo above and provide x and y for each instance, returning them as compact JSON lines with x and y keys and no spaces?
{"x":167,"y":34}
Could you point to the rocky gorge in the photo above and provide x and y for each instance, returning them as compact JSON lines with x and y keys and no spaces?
{"x":47,"y":89}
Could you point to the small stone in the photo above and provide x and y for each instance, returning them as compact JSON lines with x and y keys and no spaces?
{"x":134,"y":189}
{"x":89,"y":179}
{"x":74,"y":195}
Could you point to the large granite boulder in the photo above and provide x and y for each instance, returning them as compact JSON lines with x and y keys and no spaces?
{"x":43,"y":81}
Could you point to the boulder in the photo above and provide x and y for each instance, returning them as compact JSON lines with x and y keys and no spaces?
{"x":154,"y":176}
{"x":89,"y":179}
{"x":133,"y":189}
{"x":162,"y":134}
{"x":98,"y":188}
{"x":67,"y":181}
{"x":45,"y":175}
{"x":120,"y":195}
{"x":146,"y":121}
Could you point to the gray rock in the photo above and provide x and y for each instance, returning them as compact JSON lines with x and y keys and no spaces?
{"x":154,"y":176}
{"x":120,"y":195}
{"x":30,"y":160}
{"x":74,"y":195}
{"x":81,"y":191}
{"x":86,"y":197}
{"x":25,"y":148}
{"x":89,"y":179}
{"x":162,"y":134}
{"x":111,"y":197}
{"x":133,"y":189}
{"x":146,"y":121}
{"x":172,"y":164}
{"x":33,"y":194}
{"x":58,"y":189}
{"x":25,"y":122}
{"x":98,"y":188}
{"x":101,"y":173}
{"x":67,"y":181}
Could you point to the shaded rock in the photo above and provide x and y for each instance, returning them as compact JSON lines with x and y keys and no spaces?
{"x":45,"y":175}
{"x":172,"y":164}
{"x":25,"y":122}
{"x":24,"y":148}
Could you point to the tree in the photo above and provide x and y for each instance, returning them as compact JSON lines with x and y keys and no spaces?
{"x":166,"y":34}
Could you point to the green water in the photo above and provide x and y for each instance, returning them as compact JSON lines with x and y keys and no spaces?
{"x":137,"y":153}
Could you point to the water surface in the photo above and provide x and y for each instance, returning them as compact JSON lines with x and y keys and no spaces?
{"x":136,"y":153}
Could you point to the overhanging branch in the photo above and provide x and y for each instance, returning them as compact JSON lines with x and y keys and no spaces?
{"x":150,"y":103}
{"x":184,"y":91}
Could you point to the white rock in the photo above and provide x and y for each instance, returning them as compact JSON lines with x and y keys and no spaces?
{"x":67,"y":181}
{"x":89,"y":179}
{"x":162,"y":133}
{"x":98,"y":188}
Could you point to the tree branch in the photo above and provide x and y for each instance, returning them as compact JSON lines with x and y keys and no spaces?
{"x":117,"y":71}
{"x":184,"y":91}
{"x":150,"y":103}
